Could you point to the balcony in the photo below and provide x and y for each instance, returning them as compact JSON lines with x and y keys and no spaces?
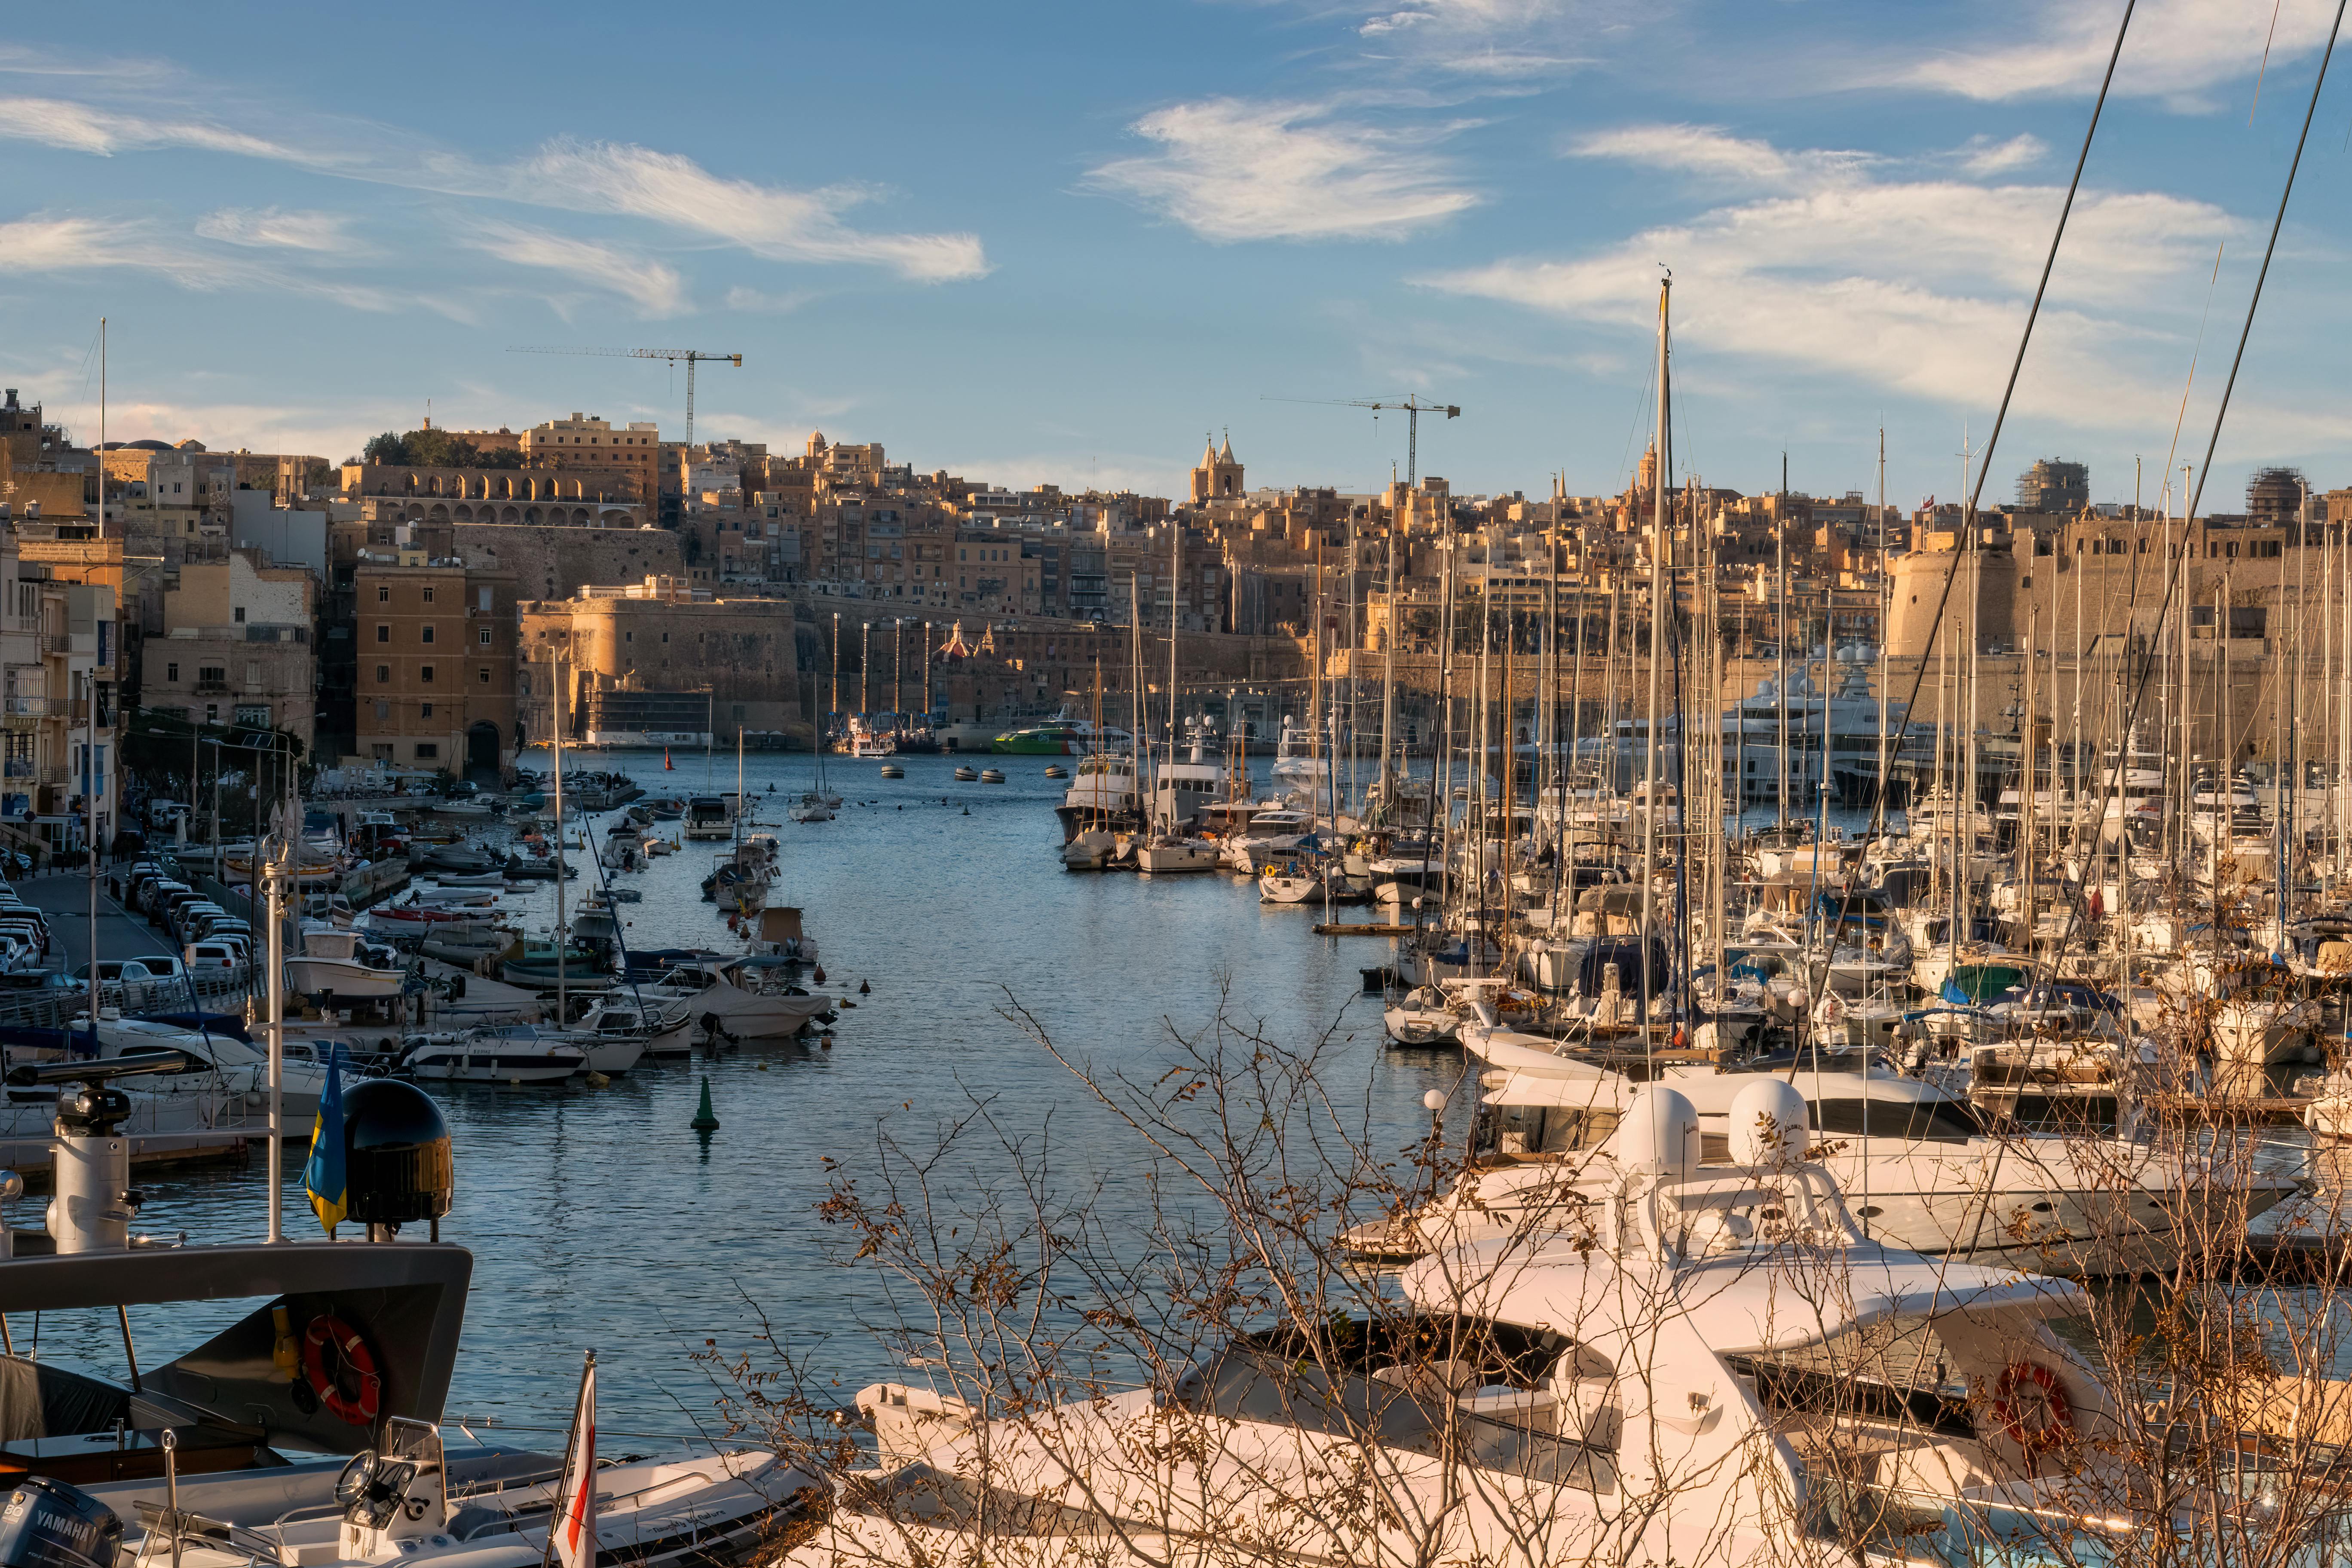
{"x":56,"y":642}
{"x":276,"y":634}
{"x":210,"y":689}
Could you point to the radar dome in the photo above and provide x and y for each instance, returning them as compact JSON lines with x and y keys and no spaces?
{"x":1768,"y":1123}
{"x":1660,"y":1133}
{"x":397,"y":1161}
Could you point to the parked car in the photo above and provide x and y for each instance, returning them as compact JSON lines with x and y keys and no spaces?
{"x":148,"y":970}
{"x":212,"y":958}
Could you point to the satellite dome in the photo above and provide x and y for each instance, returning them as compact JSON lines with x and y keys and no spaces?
{"x":397,"y":1164}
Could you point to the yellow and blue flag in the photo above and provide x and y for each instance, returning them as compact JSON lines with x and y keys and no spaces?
{"x":322,"y":1176}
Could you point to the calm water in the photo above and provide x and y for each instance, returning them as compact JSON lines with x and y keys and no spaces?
{"x":596,"y":1217}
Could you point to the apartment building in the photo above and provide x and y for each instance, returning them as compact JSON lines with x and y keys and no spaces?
{"x":236,"y":647}
{"x":434,"y":657}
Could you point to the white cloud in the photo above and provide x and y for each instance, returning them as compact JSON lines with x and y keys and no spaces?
{"x":655,"y":286}
{"x":1984,"y":156}
{"x":1705,"y":150}
{"x":1915,"y":286}
{"x":563,"y":174}
{"x":2176,"y":48}
{"x":759,"y":302}
{"x":43,"y":243}
{"x":781,"y":225}
{"x":85,"y":128}
{"x":269,"y":227}
{"x":1232,"y":170}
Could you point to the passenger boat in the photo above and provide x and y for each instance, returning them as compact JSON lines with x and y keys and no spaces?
{"x":475,"y":1057}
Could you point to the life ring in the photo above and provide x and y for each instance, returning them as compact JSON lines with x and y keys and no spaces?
{"x":2060,"y":1427}
{"x":352,"y":1359}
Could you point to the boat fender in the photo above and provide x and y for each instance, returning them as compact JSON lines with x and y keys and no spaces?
{"x":359,"y":1406}
{"x":2055,"y":1431}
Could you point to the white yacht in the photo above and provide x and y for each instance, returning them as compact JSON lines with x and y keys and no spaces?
{"x":1669,"y":1386}
{"x":1925,"y":1174}
{"x":1103,"y":795}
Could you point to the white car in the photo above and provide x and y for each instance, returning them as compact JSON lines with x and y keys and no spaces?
{"x":212,"y":958}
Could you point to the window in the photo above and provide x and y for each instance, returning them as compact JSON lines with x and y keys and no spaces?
{"x":427,"y":751}
{"x":628,"y":636}
{"x":665,"y":638}
{"x":486,"y":636}
{"x":424,"y":710}
{"x":382,"y":632}
{"x":383,"y":594}
{"x":252,"y":674}
{"x":384,"y":675}
{"x":172,"y":672}
{"x":237,"y":615}
{"x":486,"y":601}
{"x":485,"y":675}
{"x":425,"y":673}
{"x":212,"y":712}
{"x":383,"y":709}
{"x":429,"y":630}
{"x":211,"y":673}
{"x":428,"y":593}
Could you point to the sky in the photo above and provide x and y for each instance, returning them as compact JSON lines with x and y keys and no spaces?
{"x":1065,"y":243}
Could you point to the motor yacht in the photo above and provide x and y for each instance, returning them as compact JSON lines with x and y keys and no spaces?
{"x":1701,"y":1374}
{"x":1927,"y":1174}
{"x":476,"y":1056}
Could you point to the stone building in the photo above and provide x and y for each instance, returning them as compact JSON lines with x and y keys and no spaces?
{"x":652,"y":656}
{"x":236,"y":647}
{"x":436,"y":660}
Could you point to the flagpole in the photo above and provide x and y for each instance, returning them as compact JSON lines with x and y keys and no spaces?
{"x":582,"y":1407}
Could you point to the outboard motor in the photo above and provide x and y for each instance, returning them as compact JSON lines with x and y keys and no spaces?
{"x":49,"y":1524}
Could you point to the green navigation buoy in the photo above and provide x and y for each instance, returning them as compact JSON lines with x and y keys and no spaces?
{"x":705,"y":1120}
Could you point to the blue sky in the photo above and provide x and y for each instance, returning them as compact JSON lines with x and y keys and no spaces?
{"x":1063,"y":242}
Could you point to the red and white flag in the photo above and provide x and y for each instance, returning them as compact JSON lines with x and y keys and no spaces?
{"x":574,"y":1530}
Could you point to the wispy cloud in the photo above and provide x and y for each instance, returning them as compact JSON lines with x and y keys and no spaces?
{"x":563,"y":174}
{"x":1229,"y":170}
{"x":759,"y":302}
{"x":1504,"y":39}
{"x":1914,"y":286}
{"x":1984,"y":156}
{"x":76,"y":243}
{"x":1712,"y":153}
{"x":2177,"y":50}
{"x":655,"y":286}
{"x":267,"y":228}
{"x":767,"y":220}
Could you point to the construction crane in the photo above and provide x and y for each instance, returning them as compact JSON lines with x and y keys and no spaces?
{"x":691,"y":356}
{"x":1413,"y":409}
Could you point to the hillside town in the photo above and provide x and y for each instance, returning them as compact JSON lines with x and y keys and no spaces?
{"x":415,"y":609}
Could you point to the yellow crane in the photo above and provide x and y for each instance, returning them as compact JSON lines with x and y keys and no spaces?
{"x":692,"y":357}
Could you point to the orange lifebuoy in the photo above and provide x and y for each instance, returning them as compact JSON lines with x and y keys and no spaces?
{"x":350,"y":1388}
{"x":2060,"y":1427}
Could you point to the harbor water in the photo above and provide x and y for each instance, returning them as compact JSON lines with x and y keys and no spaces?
{"x":597,"y":1218}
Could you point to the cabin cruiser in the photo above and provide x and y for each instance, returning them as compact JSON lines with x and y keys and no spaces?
{"x":1701,"y":1374}
{"x":212,"y":1062}
{"x":710,"y":817}
{"x":488,"y":1056}
{"x":744,"y":998}
{"x":1929,"y":1175}
{"x":1165,"y":854}
{"x":340,"y":962}
{"x":1103,"y":797}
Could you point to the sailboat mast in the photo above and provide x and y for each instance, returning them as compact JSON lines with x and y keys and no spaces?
{"x":1658,"y":547}
{"x":561,"y":1013}
{"x":1886,"y":612}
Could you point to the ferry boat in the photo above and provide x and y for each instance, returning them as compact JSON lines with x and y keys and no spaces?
{"x":1059,"y":738}
{"x":862,"y":741}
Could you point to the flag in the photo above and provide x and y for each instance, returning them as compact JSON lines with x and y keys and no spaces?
{"x":575,"y":1539}
{"x":323,"y":1175}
